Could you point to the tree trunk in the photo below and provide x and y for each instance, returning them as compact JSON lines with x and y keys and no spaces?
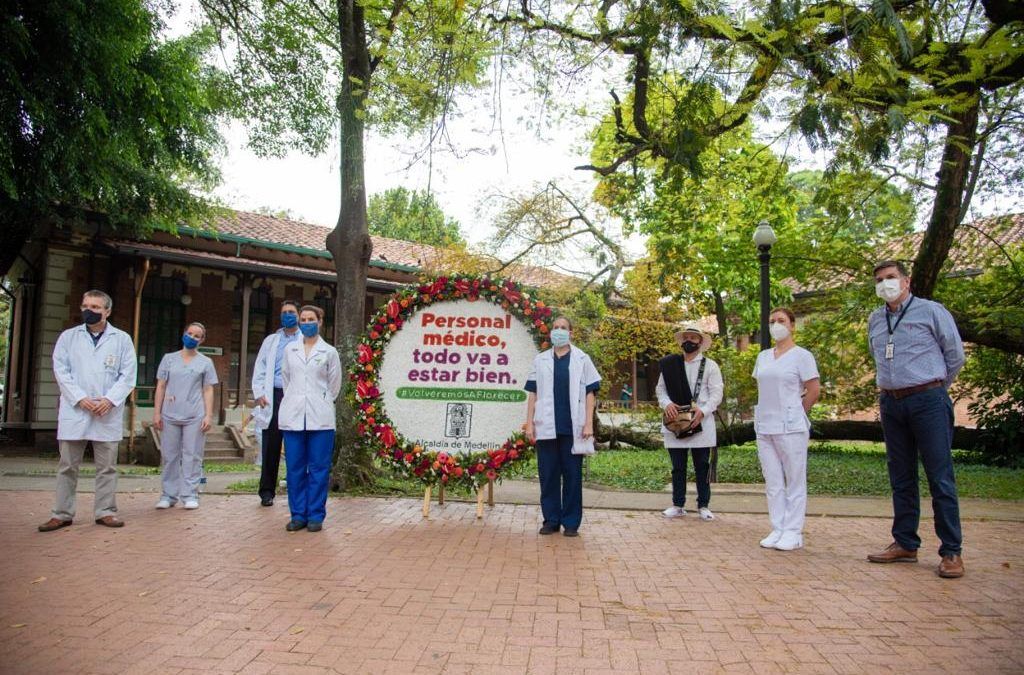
{"x":721,"y":316}
{"x":961,"y":136}
{"x":736,"y":434}
{"x":349,"y":242}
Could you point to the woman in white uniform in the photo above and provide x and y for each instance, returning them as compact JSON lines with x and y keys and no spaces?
{"x":787,"y":388}
{"x":183,"y":413}
{"x":311,"y":373}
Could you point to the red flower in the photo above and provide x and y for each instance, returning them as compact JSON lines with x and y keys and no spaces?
{"x":492,"y":474}
{"x":387,"y":437}
{"x":393,"y":309}
{"x":512,"y":454}
{"x":360,"y":428}
{"x":398,"y":454}
{"x":374,"y":335}
{"x":408,"y":457}
{"x":480,"y":467}
{"x":365,"y":353}
{"x":462,"y":286}
{"x":458,"y":472}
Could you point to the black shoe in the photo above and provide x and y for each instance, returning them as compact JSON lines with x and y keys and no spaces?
{"x":571,"y":533}
{"x":266,"y":501}
{"x":548,"y":529}
{"x":314,"y":527}
{"x":295,"y":526}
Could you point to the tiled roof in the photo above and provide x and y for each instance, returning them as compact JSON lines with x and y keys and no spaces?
{"x":309,"y":236}
{"x":976,"y":246}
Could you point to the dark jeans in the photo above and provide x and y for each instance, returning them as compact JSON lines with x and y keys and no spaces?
{"x":561,"y":482}
{"x":701,"y":466}
{"x":921,"y":425}
{"x":271,"y":452}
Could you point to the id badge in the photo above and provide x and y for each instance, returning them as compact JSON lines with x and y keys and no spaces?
{"x":110,"y":361}
{"x":890,"y":349}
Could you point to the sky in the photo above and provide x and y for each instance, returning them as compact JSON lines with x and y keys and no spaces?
{"x":512,"y":155}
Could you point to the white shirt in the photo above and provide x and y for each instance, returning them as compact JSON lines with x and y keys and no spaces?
{"x":82,"y":369}
{"x":311,"y":383}
{"x":708,"y":399}
{"x":263,"y":379}
{"x":581,"y":374}
{"x":780,"y":386}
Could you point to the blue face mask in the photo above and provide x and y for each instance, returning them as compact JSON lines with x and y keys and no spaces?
{"x":289,"y":319}
{"x":189,"y":341}
{"x":559,"y":337}
{"x":309,"y":329}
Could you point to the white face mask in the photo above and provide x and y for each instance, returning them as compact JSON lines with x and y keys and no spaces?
{"x":888,"y":289}
{"x":778,"y":331}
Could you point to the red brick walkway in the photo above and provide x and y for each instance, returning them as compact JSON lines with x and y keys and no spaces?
{"x":380,"y":590}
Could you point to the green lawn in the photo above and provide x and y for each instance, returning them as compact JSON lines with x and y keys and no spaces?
{"x":845,"y":468}
{"x":208,"y":467}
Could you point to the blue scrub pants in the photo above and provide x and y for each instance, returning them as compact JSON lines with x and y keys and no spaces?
{"x":308,"y":472}
{"x":561,"y":482}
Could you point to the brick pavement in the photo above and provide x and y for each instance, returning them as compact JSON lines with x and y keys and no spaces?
{"x":380,"y":590}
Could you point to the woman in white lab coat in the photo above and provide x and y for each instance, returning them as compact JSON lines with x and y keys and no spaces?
{"x":562,"y":390}
{"x":787,"y":388}
{"x":311,"y":373}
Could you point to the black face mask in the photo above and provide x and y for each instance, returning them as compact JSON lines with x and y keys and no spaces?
{"x":690,"y":347}
{"x":90,"y":317}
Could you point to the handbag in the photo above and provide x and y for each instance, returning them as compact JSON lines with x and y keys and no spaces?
{"x":680,"y":426}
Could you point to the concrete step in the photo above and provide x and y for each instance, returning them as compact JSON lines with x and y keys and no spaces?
{"x":223,"y":460}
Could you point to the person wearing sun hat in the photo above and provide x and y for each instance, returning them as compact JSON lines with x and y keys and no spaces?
{"x":690,"y":381}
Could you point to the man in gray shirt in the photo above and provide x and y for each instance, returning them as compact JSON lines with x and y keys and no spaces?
{"x":918,"y":353}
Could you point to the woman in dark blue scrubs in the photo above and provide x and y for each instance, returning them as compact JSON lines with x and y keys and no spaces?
{"x":559,"y":419}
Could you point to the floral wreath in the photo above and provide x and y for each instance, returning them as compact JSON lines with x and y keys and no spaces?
{"x":413,"y":461}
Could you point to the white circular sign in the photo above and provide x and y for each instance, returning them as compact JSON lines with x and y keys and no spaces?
{"x":452,"y":378}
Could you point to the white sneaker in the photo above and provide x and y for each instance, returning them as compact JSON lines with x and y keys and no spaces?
{"x":772,"y":539}
{"x":705,"y":514}
{"x":674,"y":512}
{"x":164,"y":503}
{"x":191,"y":504}
{"x":789,"y":541}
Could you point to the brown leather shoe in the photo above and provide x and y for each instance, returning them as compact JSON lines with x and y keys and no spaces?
{"x":110,"y":521}
{"x":54,"y":524}
{"x":951,"y":567}
{"x":895,"y":553}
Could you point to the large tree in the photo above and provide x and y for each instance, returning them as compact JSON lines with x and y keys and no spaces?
{"x":317,"y":73}
{"x":101,"y":116}
{"x":926,"y":87}
{"x":411,"y":215}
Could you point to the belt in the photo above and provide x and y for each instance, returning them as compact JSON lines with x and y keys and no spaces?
{"x":910,"y":391}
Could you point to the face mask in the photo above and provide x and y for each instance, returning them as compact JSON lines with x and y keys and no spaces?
{"x":90,"y":317}
{"x":559,"y":337}
{"x":189,"y":341}
{"x":778,"y":331}
{"x":888,"y":289}
{"x":309,"y":329}
{"x":289,"y":320}
{"x":690,"y":347}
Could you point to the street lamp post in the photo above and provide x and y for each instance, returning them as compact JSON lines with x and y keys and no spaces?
{"x":764,"y":237}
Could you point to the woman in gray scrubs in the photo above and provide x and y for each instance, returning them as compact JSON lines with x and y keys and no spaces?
{"x":183,"y":413}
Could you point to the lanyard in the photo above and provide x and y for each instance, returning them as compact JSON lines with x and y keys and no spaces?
{"x":888,"y":320}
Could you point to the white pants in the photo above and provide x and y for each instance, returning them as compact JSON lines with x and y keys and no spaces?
{"x":181,"y":449}
{"x":784,"y":466}
{"x":105,"y":455}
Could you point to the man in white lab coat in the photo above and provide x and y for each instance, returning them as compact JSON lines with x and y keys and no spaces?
{"x":94,"y":365}
{"x":268,"y":390}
